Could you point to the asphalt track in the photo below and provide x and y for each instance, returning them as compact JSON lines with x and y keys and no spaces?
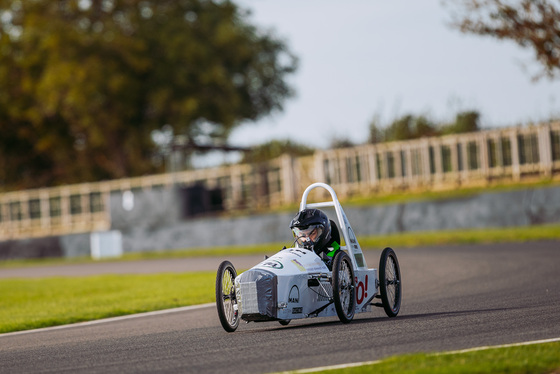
{"x":455,"y":297}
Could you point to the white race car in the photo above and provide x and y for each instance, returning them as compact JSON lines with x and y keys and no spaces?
{"x":297,"y":283}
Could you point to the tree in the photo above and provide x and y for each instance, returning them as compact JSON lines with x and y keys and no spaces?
{"x":464,"y":122}
{"x":275,"y":148}
{"x":85,"y":83}
{"x":414,"y":127}
{"x":530,"y":23}
{"x":376,"y":134}
{"x":341,"y":142}
{"x":409,"y":127}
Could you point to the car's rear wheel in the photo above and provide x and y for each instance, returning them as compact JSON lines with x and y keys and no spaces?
{"x":226,"y":299}
{"x":284,"y":322}
{"x":344,"y":290}
{"x":390,"y":285}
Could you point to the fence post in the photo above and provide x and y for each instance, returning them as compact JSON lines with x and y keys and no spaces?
{"x":397,"y":156}
{"x":288,"y":178}
{"x":372,"y":160}
{"x":515,"y":166}
{"x":465,"y":159}
{"x":4,"y":218}
{"x":408,"y":166}
{"x":545,"y":150}
{"x":45,"y":210}
{"x":454,"y":154}
{"x":437,"y":160}
{"x":319,"y":170}
{"x":426,"y":169}
{"x":342,"y":157}
{"x":483,"y":156}
{"x":25,"y":222}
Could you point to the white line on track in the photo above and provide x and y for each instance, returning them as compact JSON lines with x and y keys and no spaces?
{"x":112,"y":319}
{"x":356,"y":364}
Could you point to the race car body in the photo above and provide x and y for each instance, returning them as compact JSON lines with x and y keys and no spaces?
{"x":297,"y":283}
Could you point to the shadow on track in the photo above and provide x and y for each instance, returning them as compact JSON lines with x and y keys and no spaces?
{"x":374,"y":319}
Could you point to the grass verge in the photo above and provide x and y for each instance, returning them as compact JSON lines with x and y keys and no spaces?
{"x":535,"y":359}
{"x":34,"y":303}
{"x":42,"y":302}
{"x":471,"y":236}
{"x":396,"y":240}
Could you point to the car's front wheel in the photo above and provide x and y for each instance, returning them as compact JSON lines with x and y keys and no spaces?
{"x":344,"y":290}
{"x":390,"y":284}
{"x":226,"y":300}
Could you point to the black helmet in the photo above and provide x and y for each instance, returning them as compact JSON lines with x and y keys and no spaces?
{"x":312,"y":229}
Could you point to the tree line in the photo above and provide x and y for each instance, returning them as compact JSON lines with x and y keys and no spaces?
{"x":406,"y":127}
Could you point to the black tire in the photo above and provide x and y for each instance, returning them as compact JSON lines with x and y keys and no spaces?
{"x":344,"y":287}
{"x":226,"y":299}
{"x":284,"y":322}
{"x":390,"y":284}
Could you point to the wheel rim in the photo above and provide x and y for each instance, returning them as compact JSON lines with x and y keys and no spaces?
{"x":228,"y":297}
{"x":346,"y":289}
{"x":392,"y":282}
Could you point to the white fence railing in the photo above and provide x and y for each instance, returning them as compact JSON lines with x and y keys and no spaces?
{"x":511,"y":153}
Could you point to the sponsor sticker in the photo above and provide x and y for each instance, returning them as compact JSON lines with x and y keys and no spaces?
{"x":298,"y":252}
{"x":297,"y":310}
{"x":298,"y":264}
{"x":361,"y":291}
{"x":274,"y":264}
{"x":294,"y":295}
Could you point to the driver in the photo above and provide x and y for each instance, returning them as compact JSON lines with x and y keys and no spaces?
{"x":312,"y":230}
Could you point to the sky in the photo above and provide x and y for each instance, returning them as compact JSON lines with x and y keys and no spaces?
{"x":365,"y":59}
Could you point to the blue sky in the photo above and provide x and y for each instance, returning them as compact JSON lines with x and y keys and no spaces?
{"x":366,"y":58}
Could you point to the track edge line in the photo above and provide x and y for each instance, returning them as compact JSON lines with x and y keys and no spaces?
{"x":110,"y":319}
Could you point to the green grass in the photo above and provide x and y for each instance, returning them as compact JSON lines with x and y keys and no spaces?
{"x":33,"y":303}
{"x":42,"y":302}
{"x":396,"y":240}
{"x":535,"y":358}
{"x":234,"y":250}
{"x":472,"y":236}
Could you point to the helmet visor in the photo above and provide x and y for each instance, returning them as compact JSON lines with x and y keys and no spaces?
{"x":309,"y":236}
